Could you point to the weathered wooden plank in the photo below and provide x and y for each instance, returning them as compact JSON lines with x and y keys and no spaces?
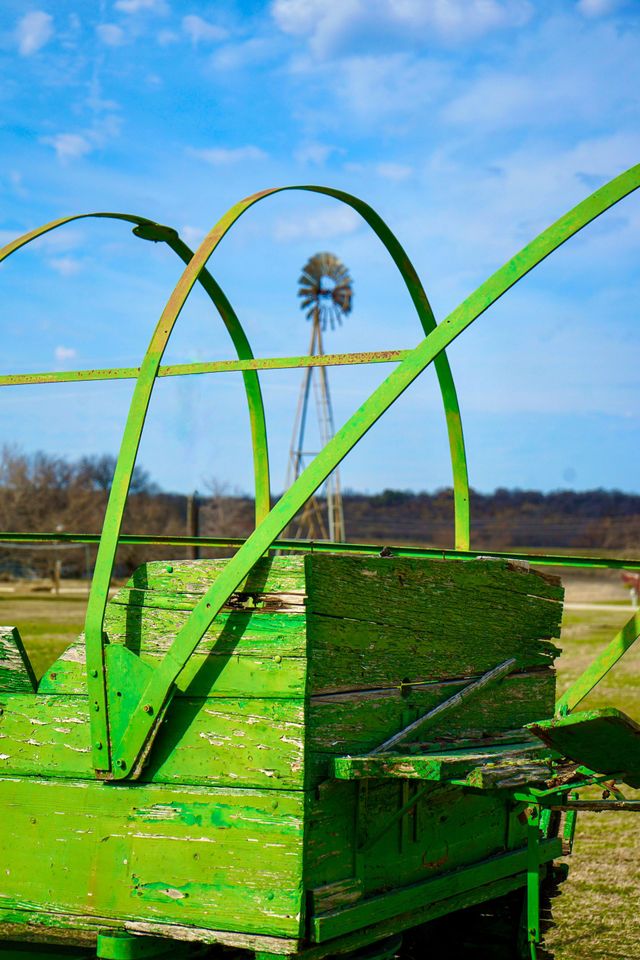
{"x":607,"y":741}
{"x":433,"y":595}
{"x":225,"y":859}
{"x":341,"y":724}
{"x":75,"y":930}
{"x":16,"y":672}
{"x":270,"y":575}
{"x":348,"y":654}
{"x":451,"y":765}
{"x":377,"y":909}
{"x":332,"y":896}
{"x":246,"y":602}
{"x":354,"y":828}
{"x":233,"y":742}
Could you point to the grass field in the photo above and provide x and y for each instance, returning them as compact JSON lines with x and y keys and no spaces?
{"x":597,"y":913}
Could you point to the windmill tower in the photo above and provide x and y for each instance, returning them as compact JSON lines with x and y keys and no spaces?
{"x":325,"y":293}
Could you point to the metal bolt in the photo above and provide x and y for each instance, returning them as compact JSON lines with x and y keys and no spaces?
{"x":52,"y":676}
{"x":148,"y":708}
{"x":278,"y":658}
{"x":121,"y":764}
{"x":98,"y":744}
{"x":169,"y":569}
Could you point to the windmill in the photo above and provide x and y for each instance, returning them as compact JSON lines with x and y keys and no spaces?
{"x":325,"y":293}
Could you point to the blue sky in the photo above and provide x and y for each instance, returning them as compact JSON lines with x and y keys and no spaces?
{"x":469,"y":125}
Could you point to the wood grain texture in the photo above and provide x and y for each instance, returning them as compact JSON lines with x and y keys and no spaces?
{"x":427,"y":595}
{"x":270,"y":575}
{"x":469,"y":765}
{"x":341,"y":724}
{"x":16,"y":673}
{"x":230,"y":860}
{"x":251,"y":742}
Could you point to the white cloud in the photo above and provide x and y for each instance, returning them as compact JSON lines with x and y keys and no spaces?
{"x":69,"y":146}
{"x":63,"y":354}
{"x":376,"y":87}
{"x":65,"y":266}
{"x":597,"y":8}
{"x":223,"y":156}
{"x":323,"y":224}
{"x":167,"y":37}
{"x":394,"y":171}
{"x":142,"y":6}
{"x":334,"y":27}
{"x":316,"y":153}
{"x":111,"y":34}
{"x":198,"y":29}
{"x":33,"y":31}
{"x":235,"y":56}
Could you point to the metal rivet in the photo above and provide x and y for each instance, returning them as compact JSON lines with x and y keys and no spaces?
{"x":52,"y":676}
{"x":96,"y":707}
{"x":278,"y":658}
{"x":94,"y":673}
{"x":98,"y":744}
{"x":148,"y":708}
{"x":121,"y":764}
{"x":169,"y":569}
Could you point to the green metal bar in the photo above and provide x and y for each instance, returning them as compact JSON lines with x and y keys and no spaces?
{"x":158,"y":690}
{"x":533,"y":880}
{"x":600,"y":667}
{"x":213,"y":366}
{"x":139,"y":409}
{"x":328,"y":546}
{"x":149,"y":230}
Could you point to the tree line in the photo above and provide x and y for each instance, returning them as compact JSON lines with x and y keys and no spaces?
{"x":41,"y":493}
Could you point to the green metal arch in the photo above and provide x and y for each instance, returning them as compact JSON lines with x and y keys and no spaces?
{"x":156,"y":687}
{"x":150,"y":230}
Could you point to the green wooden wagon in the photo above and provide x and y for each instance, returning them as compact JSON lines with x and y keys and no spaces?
{"x":309,"y":749}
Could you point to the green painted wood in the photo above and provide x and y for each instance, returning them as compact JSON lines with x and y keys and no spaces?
{"x":233,"y":742}
{"x":389,"y":834}
{"x":439,"y":767}
{"x":241,"y":658}
{"x":348,"y":654}
{"x":434,"y":594}
{"x":377,"y":909}
{"x":269,"y":575}
{"x":223,"y":859}
{"x":607,"y":741}
{"x":412,"y":918}
{"x":341,"y":724}
{"x":439,"y":597}
{"x":16,"y":672}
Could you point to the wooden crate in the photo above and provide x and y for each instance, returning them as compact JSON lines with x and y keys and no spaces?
{"x":238,"y":827}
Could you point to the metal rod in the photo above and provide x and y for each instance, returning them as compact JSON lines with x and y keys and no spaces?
{"x":8,"y":539}
{"x":213,"y":366}
{"x":491,"y":676}
{"x":600,"y":667}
